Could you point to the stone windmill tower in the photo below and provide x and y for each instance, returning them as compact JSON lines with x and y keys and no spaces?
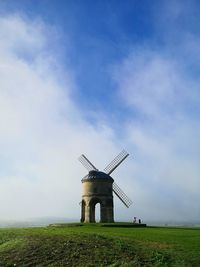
{"x":98,"y":187}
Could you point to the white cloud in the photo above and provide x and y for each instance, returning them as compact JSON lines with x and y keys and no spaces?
{"x":41,"y":130}
{"x":164,"y":101}
{"x":160,"y":86}
{"x":152,"y":83}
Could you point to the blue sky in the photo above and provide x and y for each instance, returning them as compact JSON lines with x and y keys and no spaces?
{"x":95,"y":77}
{"x":96,"y":36}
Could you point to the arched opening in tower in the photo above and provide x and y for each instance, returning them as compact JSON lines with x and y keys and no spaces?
{"x":98,"y":212}
{"x":95,"y":210}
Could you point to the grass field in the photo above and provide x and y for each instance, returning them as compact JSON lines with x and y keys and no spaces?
{"x":94,"y":245}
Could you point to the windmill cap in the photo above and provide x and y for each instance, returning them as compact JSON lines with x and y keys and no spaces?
{"x":98,"y":175}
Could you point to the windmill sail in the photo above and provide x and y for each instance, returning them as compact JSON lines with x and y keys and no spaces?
{"x":86,"y":163}
{"x":116,"y":162}
{"x":121,"y":195}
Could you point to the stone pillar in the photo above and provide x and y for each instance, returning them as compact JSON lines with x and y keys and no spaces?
{"x":87,"y":214}
{"x":107,"y":214}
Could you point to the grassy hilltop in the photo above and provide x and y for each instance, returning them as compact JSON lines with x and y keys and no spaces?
{"x":94,"y":245}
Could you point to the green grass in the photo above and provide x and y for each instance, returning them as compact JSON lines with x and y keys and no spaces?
{"x":93,"y":245}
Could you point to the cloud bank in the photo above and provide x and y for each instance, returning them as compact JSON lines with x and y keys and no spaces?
{"x":160,"y":87}
{"x":42,"y":131}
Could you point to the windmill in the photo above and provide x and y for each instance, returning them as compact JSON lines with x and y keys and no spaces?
{"x":98,"y":187}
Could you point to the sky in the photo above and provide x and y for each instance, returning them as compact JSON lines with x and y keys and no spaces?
{"x":96,"y":77}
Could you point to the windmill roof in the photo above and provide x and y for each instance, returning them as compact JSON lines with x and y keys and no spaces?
{"x":97,"y":175}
